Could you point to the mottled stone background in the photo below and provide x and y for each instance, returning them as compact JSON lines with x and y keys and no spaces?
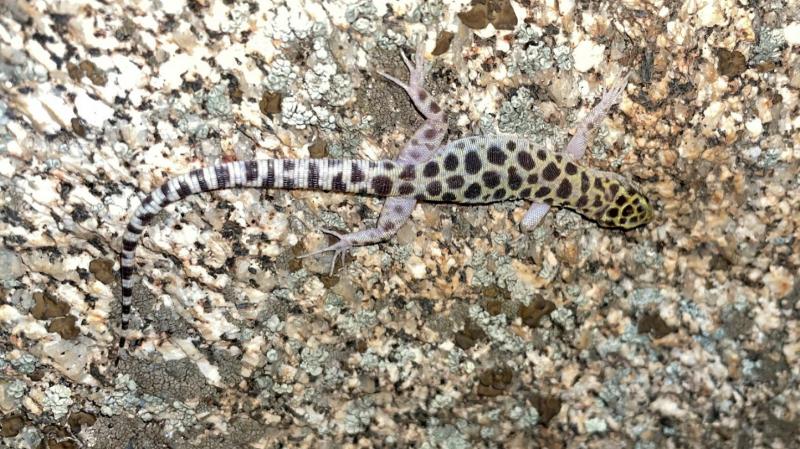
{"x":460,"y":332}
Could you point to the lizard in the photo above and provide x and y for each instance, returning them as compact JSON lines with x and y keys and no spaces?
{"x":470,"y":170}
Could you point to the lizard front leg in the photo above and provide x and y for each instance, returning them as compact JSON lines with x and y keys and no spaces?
{"x":576,"y":147}
{"x":422,"y":147}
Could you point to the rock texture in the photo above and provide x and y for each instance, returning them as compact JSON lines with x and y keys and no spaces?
{"x":461,"y":332}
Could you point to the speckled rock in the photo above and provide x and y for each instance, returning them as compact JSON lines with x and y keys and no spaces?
{"x":461,"y":331}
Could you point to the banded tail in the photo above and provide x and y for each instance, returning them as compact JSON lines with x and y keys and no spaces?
{"x":332,"y":175}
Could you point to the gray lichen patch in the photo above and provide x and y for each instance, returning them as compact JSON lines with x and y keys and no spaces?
{"x":169,"y":380}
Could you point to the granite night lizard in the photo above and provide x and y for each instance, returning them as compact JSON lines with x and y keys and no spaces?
{"x":472,"y":170}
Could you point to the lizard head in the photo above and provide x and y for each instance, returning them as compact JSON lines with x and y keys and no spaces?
{"x":628,"y":208}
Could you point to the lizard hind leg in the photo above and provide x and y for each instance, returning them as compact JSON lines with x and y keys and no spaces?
{"x":421,"y":148}
{"x":415,"y":88}
{"x":394,"y":214}
{"x":339,"y":248}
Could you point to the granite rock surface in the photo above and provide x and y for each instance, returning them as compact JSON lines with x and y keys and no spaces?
{"x":461,"y":331}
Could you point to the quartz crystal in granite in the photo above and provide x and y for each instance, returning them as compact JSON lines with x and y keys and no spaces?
{"x":460,"y":332}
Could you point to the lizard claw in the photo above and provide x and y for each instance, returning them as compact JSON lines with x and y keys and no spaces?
{"x":610,"y":97}
{"x":339,"y":248}
{"x":416,"y":69}
{"x":614,"y":93}
{"x":393,"y":79}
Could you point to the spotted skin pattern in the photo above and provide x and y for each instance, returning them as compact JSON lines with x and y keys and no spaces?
{"x":472,"y":170}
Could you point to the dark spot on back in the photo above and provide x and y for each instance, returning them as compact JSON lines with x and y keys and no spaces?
{"x":435,"y":109}
{"x":405,"y":188}
{"x":448,"y":197}
{"x":222,"y":177}
{"x":613,"y":189}
{"x":388,"y":226}
{"x":269,"y":181}
{"x":496,"y":156}
{"x":542,"y":155}
{"x":184,"y":190}
{"x":407,"y":173}
{"x":564,"y":189}
{"x":620,"y":200}
{"x":338,"y":184}
{"x":201,"y":180}
{"x":148,"y":199}
{"x":542,"y":192}
{"x":422,"y":95}
{"x":598,"y":184}
{"x":584,"y":183}
{"x":514,"y":180}
{"x":526,"y":192}
{"x":499,"y":193}
{"x":431,"y":169}
{"x":613,"y":212}
{"x":525,"y":160}
{"x":164,"y":194}
{"x":455,"y":181}
{"x":382,"y":185}
{"x":251,"y":170}
{"x":551,"y":172}
{"x":388,"y":165}
{"x":597,"y":201}
{"x":356,"y":175}
{"x":571,"y":168}
{"x":472,"y":162}
{"x":145,"y":219}
{"x":511,"y":145}
{"x":627,"y":210}
{"x":434,"y":188}
{"x":429,"y":133}
{"x":313,"y":175}
{"x":473,"y":191}
{"x":533,"y":178}
{"x":582,"y":201}
{"x":491,"y":179}
{"x":451,"y":162}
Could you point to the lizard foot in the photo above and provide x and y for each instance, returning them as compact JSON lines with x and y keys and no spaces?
{"x":416,"y":69}
{"x":610,"y":97}
{"x":339,"y":248}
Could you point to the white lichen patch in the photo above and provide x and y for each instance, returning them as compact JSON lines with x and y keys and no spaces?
{"x":57,"y":400}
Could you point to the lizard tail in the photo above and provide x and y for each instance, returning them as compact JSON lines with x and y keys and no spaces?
{"x":380,"y":178}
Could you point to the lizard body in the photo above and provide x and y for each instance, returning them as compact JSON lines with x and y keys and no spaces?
{"x":471,"y":170}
